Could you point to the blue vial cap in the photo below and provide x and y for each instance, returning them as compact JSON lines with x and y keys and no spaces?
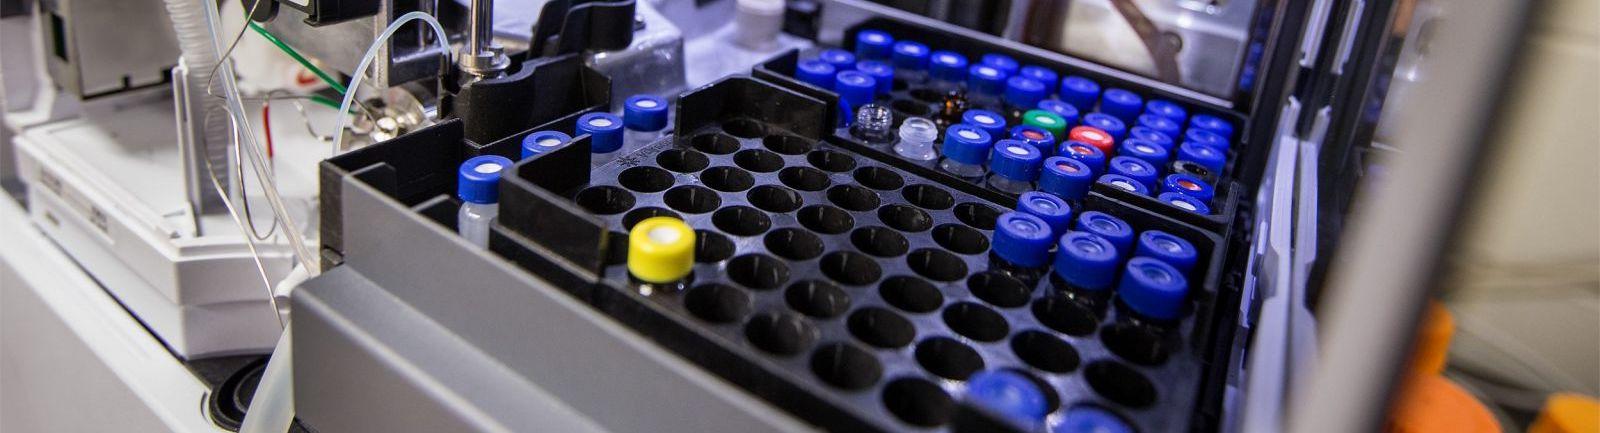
{"x":1090,"y":419}
{"x":1065,"y":177}
{"x":1002,"y":62}
{"x":873,"y":44}
{"x":1061,"y":108}
{"x":1114,"y":229}
{"x":1207,"y":138}
{"x":1150,"y":135}
{"x":1212,"y":123}
{"x":1022,"y":239}
{"x":910,"y":55}
{"x":1087,"y":261}
{"x":1088,"y":154}
{"x":1168,"y":248}
{"x":986,"y":79}
{"x":1015,"y":160}
{"x":478,"y":180}
{"x":1109,"y":124}
{"x":1189,"y":185}
{"x":1008,"y":394}
{"x":1080,"y":92}
{"x":1024,"y":92}
{"x":1053,"y":210}
{"x":1124,"y":104}
{"x":1124,"y":183}
{"x":1153,"y":289}
{"x":815,"y":72}
{"x":1136,"y":169}
{"x":881,"y":73}
{"x":989,"y":121}
{"x":1185,"y":202}
{"x":840,"y":59}
{"x":948,"y":66}
{"x":543,"y":142}
{"x":966,"y":144}
{"x":1144,"y":150}
{"x":1043,"y":74}
{"x":604,"y":129}
{"x":855,"y":88}
{"x":1037,"y":137}
{"x":1207,"y":156}
{"x":1167,"y":109}
{"x":644,"y":113}
{"x":1160,"y":124}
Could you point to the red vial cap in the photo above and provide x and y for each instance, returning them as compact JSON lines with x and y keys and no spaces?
{"x":1094,"y":136}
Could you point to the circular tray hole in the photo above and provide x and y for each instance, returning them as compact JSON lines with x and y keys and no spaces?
{"x":757,"y":160}
{"x":918,"y":402}
{"x":948,"y":358}
{"x":831,"y":161}
{"x":692,"y":199}
{"x":711,"y":247}
{"x":999,"y":289}
{"x":1137,"y":344}
{"x":937,"y":264}
{"x":804,"y":178}
{"x":793,"y":244}
{"x":617,"y":252}
{"x":905,"y":218}
{"x":850,"y":268}
{"x":976,"y":322}
{"x":741,"y":221}
{"x":744,"y":128}
{"x":682,"y":160}
{"x":758,"y":271}
{"x":853,"y":197}
{"x":780,"y":333}
{"x":605,"y":200}
{"x":914,"y":295}
{"x":1045,"y":352}
{"x":979,"y":216}
{"x":717,"y":303}
{"x":633,"y":217}
{"x":645,"y":179}
{"x":879,"y":178}
{"x":817,"y":298}
{"x":846,"y":366}
{"x":825,"y":219}
{"x":1065,"y":315}
{"x":1120,"y":383}
{"x":787,"y":144}
{"x":880,"y":327}
{"x":910,"y":107}
{"x":928,"y":95}
{"x":775,"y":199}
{"x":960,"y":239}
{"x":729,"y":179}
{"x":715,"y":143}
{"x":879,"y":241}
{"x":928,"y":197}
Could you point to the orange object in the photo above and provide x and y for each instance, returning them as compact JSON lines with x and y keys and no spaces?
{"x":1568,"y":413}
{"x":1433,"y":340}
{"x":1432,"y":403}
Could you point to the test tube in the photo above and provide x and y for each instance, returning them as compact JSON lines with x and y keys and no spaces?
{"x":478,"y":187}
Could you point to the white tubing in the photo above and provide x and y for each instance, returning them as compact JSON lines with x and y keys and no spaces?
{"x":440,"y":38}
{"x":272,"y":408}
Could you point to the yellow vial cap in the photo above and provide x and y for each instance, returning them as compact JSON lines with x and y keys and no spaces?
{"x":660,"y":250}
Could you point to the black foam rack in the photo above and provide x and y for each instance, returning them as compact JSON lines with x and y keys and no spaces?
{"x":912,"y":99}
{"x":836,"y":285}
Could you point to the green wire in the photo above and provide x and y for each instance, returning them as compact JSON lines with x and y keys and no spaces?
{"x":298,"y":58}
{"x":323,"y":100}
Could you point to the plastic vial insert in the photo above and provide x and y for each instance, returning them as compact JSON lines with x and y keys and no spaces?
{"x":966,"y":149}
{"x":873,"y":124}
{"x":605,"y":136}
{"x":1014,"y":166}
{"x":478,"y":187}
{"x":916,"y":140}
{"x":644,"y":116}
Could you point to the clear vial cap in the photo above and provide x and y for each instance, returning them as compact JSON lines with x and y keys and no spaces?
{"x":916,"y":139}
{"x":873,"y":123}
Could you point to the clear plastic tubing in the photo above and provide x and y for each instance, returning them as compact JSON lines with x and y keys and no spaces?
{"x":478,"y":187}
{"x":916,"y":139}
